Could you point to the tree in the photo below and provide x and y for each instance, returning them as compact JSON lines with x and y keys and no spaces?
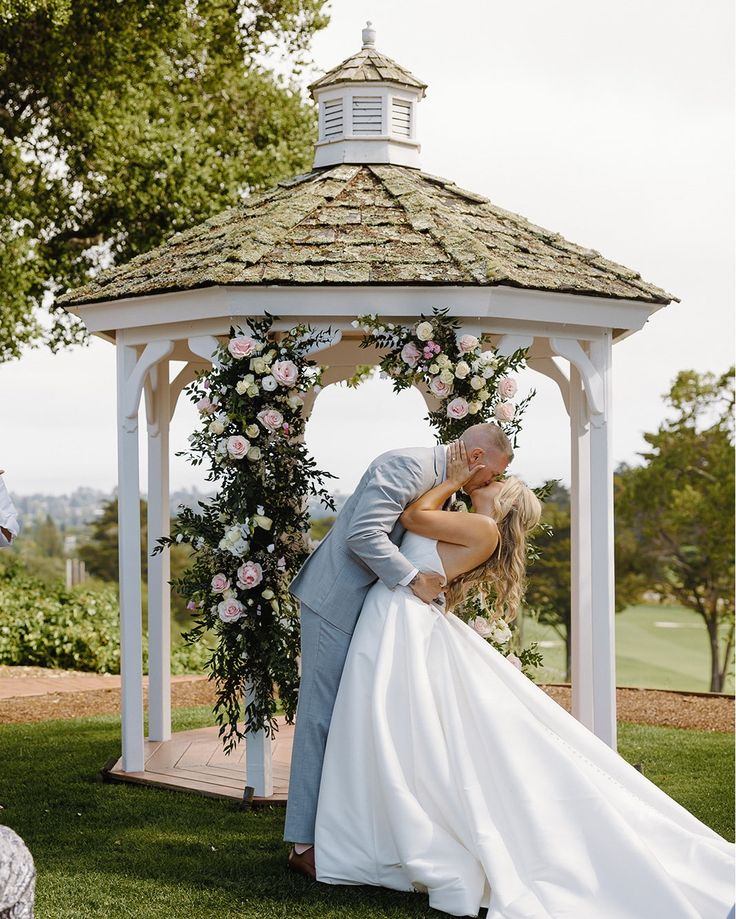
{"x":48,"y":539}
{"x":121,"y":123}
{"x":680,"y":507}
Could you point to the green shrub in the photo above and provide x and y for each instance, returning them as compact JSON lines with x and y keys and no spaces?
{"x":75,"y":628}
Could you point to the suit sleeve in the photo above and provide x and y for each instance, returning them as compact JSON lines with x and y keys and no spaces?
{"x":392,"y":486}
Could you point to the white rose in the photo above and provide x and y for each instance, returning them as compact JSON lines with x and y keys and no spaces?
{"x":500,"y":632}
{"x":482,"y":626}
{"x":241,"y":387}
{"x":295,"y":403}
{"x":216,"y":427}
{"x":254,"y":454}
{"x":488,"y":373}
{"x":477,"y":382}
{"x":253,"y":390}
{"x":424,"y":331}
{"x":447,"y":376}
{"x":474,"y":407}
{"x":462,"y":370}
{"x":259,"y":365}
{"x":484,"y":395}
{"x":252,"y":431}
{"x":434,"y":368}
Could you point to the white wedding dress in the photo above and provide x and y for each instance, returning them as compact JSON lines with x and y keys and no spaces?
{"x":449,"y":772}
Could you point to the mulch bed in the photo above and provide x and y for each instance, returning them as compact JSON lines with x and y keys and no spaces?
{"x":696,"y":711}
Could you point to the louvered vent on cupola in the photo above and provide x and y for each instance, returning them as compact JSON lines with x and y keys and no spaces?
{"x":401,"y":117}
{"x":332,"y":118}
{"x":367,"y":115}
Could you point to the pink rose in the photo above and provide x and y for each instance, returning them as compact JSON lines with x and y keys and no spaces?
{"x":237,"y":446}
{"x":458,"y":408}
{"x":507,"y":387}
{"x":441,"y":389}
{"x":230,"y":610}
{"x":220,"y":582}
{"x":241,"y":346}
{"x":250,"y":574}
{"x":270,"y":419}
{"x":467,"y":343}
{"x":205,"y":406}
{"x":482,"y":626}
{"x":285,"y":372}
{"x":410,"y":354}
{"x":504,"y":411}
{"x":514,"y":660}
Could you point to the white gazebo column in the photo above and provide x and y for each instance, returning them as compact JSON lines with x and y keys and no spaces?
{"x":159,"y":591}
{"x":129,"y":558}
{"x":602,"y":552}
{"x":593,"y":623}
{"x":581,"y":629}
{"x":132,"y":371}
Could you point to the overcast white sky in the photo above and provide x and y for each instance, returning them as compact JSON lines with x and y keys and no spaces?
{"x":612,"y":124}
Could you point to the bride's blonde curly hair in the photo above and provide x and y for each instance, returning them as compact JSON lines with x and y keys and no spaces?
{"x":516,"y":510}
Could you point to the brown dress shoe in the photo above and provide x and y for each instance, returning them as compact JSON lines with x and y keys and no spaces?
{"x":303,"y":863}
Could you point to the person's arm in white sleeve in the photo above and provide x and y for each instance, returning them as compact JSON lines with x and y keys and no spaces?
{"x":9,"y":525}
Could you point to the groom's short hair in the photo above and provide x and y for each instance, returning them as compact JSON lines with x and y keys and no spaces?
{"x":488,"y":436}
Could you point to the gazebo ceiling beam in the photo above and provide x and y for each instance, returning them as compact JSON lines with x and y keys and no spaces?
{"x":480,"y":304}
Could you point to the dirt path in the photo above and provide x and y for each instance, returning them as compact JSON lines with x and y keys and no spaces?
{"x":67,"y":694}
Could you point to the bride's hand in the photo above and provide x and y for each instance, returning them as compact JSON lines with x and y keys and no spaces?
{"x":459,"y":470}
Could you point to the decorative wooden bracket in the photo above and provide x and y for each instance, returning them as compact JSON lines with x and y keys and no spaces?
{"x":205,"y":346}
{"x":572,"y":350}
{"x":154,"y":352}
{"x":184,"y":377}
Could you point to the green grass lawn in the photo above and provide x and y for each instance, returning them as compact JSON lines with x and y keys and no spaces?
{"x":112,"y":851}
{"x":661,"y":647}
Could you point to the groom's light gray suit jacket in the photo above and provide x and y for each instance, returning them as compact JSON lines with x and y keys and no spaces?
{"x":363,"y":544}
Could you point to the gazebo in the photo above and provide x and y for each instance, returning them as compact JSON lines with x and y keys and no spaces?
{"x":366,"y":231}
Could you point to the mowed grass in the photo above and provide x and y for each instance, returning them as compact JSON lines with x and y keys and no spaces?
{"x":113,"y":851}
{"x":660,"y":647}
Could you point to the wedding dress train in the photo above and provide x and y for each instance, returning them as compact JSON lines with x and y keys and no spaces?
{"x":449,"y":772}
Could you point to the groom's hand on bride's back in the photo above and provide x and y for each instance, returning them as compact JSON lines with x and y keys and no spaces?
{"x":427,"y":585}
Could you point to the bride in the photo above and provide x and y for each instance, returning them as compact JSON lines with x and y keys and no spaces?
{"x":448,"y":772}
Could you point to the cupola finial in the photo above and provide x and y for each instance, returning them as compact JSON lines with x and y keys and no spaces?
{"x":369,"y":35}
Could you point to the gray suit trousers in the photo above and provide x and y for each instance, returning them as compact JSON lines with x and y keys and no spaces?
{"x":324,"y":648}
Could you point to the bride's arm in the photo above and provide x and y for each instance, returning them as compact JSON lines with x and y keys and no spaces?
{"x":425,"y":518}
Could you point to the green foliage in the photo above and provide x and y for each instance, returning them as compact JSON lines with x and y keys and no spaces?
{"x":320,"y":528}
{"x":251,"y":534}
{"x":122,"y":123}
{"x":679,"y":507}
{"x":76,"y":629}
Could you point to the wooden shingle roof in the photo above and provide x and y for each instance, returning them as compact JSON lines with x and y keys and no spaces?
{"x":368,"y":224}
{"x":367,"y":66}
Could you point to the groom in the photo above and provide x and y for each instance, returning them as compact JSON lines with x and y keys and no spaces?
{"x":362,"y":546}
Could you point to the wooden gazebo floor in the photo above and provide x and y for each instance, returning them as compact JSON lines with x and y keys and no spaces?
{"x":195,"y":761}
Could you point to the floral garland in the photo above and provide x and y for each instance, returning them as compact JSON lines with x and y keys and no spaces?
{"x":249,"y":540}
{"x":472,"y":384}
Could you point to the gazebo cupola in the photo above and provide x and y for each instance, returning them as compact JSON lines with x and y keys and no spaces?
{"x":367,"y":110}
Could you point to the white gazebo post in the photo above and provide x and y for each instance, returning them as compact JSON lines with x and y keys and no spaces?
{"x":132,"y":370}
{"x":158,"y":410}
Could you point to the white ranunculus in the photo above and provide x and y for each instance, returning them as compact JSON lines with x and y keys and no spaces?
{"x":269,"y":383}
